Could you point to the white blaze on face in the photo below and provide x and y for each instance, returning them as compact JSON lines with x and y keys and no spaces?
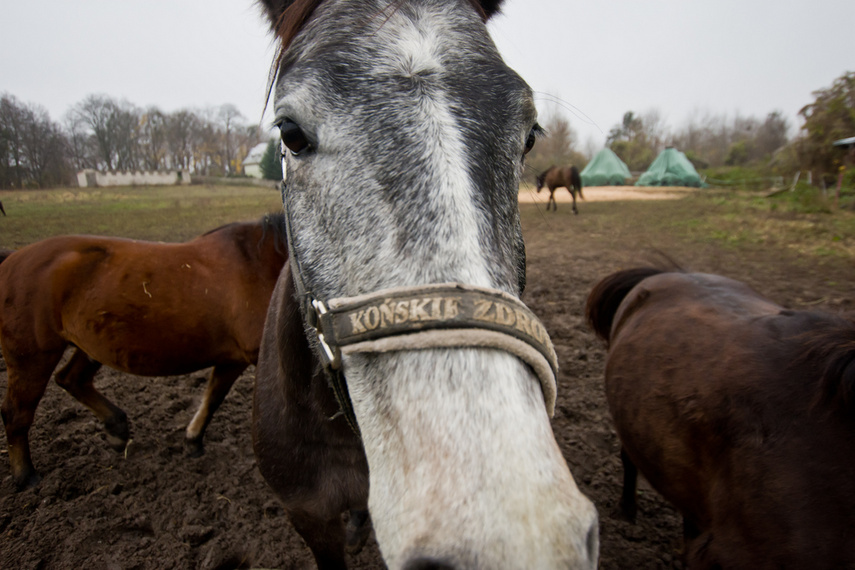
{"x":463,"y":463}
{"x":413,"y":50}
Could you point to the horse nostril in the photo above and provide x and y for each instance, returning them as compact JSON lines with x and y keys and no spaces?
{"x":423,"y":563}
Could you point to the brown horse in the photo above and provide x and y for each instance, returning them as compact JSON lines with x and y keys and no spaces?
{"x":153,"y":309}
{"x":737,"y":411}
{"x":556,"y":177}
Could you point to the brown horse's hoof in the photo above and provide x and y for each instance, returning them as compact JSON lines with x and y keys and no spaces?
{"x":626,"y":512}
{"x":118,"y":431}
{"x":358,"y":531}
{"x":194,"y":448}
{"x":27,"y":480}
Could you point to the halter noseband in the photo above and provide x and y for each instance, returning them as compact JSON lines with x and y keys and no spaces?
{"x":446,"y":315}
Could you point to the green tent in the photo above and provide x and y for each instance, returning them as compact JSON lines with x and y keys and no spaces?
{"x":605,"y":169}
{"x":671,"y":168}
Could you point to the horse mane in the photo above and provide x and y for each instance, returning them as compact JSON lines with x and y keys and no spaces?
{"x":275,"y":224}
{"x":831,"y":348}
{"x":607,"y":295}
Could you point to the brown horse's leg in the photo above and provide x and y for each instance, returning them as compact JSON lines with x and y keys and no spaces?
{"x":325,"y":538}
{"x":76,"y":379}
{"x":628,"y":506}
{"x":220,"y":382}
{"x":573,"y":193}
{"x":27,"y":380}
{"x":358,"y":530}
{"x":551,"y":201}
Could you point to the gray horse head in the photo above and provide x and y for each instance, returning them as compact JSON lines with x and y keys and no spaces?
{"x":404,"y":135}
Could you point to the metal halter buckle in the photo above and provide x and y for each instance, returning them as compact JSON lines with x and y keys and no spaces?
{"x":331,"y":355}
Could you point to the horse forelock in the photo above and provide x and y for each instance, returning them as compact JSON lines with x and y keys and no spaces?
{"x":289,"y":21}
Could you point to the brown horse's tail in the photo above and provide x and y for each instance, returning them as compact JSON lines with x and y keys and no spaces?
{"x":576,"y":180}
{"x":607,"y":295}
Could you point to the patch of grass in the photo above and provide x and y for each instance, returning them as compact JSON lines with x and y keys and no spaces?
{"x":737,"y":221}
{"x":150,"y":213}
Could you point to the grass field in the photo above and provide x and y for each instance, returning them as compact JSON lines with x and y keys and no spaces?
{"x":149,"y":213}
{"x":735,"y":221}
{"x":731,"y":220}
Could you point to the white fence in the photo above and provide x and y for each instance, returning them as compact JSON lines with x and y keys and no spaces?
{"x":89,"y":178}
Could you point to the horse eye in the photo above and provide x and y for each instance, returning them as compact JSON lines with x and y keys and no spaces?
{"x":531,"y":139}
{"x":293,"y":137}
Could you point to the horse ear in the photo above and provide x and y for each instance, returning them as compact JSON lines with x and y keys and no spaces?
{"x":491,"y":7}
{"x":274,"y":10}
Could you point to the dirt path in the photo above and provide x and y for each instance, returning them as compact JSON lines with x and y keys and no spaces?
{"x":606,"y":194}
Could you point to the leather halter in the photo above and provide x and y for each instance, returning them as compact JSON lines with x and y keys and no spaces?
{"x":444,"y":315}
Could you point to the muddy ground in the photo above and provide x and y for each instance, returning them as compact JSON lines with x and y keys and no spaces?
{"x":154,"y":508}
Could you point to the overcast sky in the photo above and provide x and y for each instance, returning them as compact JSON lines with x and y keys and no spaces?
{"x":599,"y":58}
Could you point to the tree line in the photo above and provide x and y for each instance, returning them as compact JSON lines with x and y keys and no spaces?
{"x":103,"y":133}
{"x":107,"y":134}
{"x":714,"y":141}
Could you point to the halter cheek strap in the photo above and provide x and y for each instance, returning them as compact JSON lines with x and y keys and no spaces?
{"x":445,"y":315}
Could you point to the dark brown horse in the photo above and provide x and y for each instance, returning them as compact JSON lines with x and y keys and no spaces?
{"x":153,"y":309}
{"x":738,"y":411}
{"x":556,"y":177}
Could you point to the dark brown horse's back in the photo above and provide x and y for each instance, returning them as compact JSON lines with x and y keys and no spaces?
{"x":717,"y":396}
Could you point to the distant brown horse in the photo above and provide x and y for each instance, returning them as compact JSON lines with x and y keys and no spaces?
{"x":738,"y":411}
{"x":153,"y":309}
{"x":556,"y":177}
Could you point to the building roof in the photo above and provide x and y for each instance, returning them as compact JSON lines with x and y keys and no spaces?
{"x":255,"y":154}
{"x":845,"y":143}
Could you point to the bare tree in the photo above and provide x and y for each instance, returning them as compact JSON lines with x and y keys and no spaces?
{"x":152,"y":139}
{"x":115,"y":128}
{"x":11,"y":127}
{"x":33,"y":149}
{"x":228,"y":116}
{"x":635,"y":142}
{"x":125,"y":122}
{"x":96,"y":112}
{"x":180,"y":128}
{"x":82,"y":151}
{"x":45,"y":149}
